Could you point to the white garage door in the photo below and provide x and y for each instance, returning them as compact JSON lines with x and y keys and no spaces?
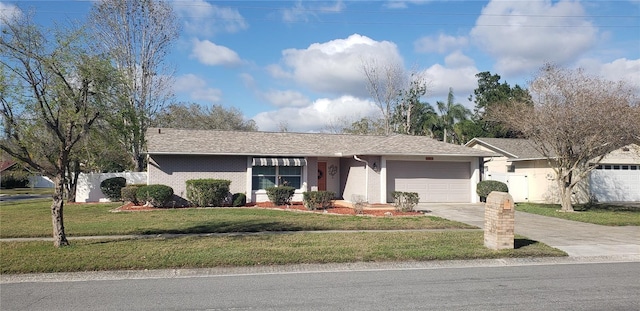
{"x":433,"y":181}
{"x":616,"y":183}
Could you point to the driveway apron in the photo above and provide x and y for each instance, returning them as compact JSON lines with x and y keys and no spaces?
{"x":575,"y":238}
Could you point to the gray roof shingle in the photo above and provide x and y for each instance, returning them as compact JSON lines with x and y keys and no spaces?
{"x":181,"y":141}
{"x":514,"y":148}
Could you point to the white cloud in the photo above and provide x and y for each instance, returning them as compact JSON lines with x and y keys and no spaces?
{"x":458,"y":73}
{"x":207,"y":94}
{"x":197,"y":88}
{"x":286,"y":98}
{"x":278,"y":72}
{"x":8,"y":12}
{"x":248,"y":80}
{"x":522,"y":35}
{"x":302,"y":13}
{"x":205,"y":19}
{"x":335,"y":67}
{"x":317,"y":116}
{"x":210,"y":53}
{"x":440,"y":44}
{"x":620,"y":69}
{"x":458,"y":60}
{"x":403,"y":4}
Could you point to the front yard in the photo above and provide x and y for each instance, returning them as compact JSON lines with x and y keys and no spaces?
{"x":249,"y":236}
{"x":600,"y":214}
{"x":33,"y":219}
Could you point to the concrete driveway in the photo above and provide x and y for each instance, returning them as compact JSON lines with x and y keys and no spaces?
{"x":576,"y":238}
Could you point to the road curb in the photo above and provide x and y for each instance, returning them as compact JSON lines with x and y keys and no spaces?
{"x":307,"y":268}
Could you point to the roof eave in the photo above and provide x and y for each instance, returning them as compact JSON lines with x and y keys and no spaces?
{"x":240,"y":154}
{"x":488,"y":145}
{"x":526,"y":159}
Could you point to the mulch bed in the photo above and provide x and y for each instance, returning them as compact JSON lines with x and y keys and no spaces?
{"x":296,"y":206}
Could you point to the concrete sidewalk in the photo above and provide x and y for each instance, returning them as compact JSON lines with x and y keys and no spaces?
{"x":576,"y":238}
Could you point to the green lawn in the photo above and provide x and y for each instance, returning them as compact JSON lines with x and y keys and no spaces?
{"x":33,"y":219}
{"x":599,"y":214}
{"x":252,"y":250}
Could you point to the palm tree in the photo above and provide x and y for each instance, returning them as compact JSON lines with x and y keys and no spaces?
{"x":450,"y":114}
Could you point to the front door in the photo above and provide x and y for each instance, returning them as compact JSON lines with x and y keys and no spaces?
{"x":322,"y":176}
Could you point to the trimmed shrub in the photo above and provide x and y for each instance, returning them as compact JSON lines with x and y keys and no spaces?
{"x":207,"y":192}
{"x":487,"y":186}
{"x":280,"y":195}
{"x":128,"y":193}
{"x":317,"y":199}
{"x":155,"y":195}
{"x":14,"y":179}
{"x":111,"y":187}
{"x":238,"y":199}
{"x":405,"y":201}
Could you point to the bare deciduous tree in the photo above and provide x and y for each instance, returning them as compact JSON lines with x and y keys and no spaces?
{"x":385,"y":82}
{"x":137,"y":35}
{"x":194,"y":116}
{"x":365,"y":126}
{"x":407,"y":112}
{"x":575,"y":120}
{"x":51,"y":92}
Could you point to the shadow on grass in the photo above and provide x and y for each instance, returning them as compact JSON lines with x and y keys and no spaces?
{"x":609,"y":207}
{"x":229,"y":227}
{"x":519,"y":243}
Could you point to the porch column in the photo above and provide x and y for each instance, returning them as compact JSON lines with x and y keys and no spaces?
{"x":383,"y":179}
{"x":249,"y":180}
{"x":475,"y":178}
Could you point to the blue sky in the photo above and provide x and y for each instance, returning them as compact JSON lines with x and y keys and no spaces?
{"x":299,"y":63}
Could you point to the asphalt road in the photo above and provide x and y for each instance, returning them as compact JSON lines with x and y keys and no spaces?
{"x":610,"y":286}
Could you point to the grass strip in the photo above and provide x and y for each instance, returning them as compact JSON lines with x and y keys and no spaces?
{"x":20,"y":191}
{"x":599,"y":214}
{"x":33,"y":219}
{"x":252,"y":250}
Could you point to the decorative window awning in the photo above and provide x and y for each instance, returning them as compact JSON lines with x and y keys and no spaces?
{"x":279,"y":162}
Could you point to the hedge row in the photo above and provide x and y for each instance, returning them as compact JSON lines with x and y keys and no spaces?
{"x":207,"y":192}
{"x":405,"y":201}
{"x":313,"y":200}
{"x":487,"y":186}
{"x":280,"y":195}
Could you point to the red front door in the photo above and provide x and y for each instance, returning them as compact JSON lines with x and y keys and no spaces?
{"x":322,"y":176}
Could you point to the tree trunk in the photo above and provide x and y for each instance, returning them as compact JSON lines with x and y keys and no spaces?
{"x":566,"y":190}
{"x":59,"y":237}
{"x":72,"y":181}
{"x":139,"y":162}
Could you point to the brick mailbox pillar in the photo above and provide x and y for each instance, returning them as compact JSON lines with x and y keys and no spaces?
{"x":499,"y":216}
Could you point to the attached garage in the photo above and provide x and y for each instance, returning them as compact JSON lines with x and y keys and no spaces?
{"x":616,"y":183}
{"x":435,"y":182}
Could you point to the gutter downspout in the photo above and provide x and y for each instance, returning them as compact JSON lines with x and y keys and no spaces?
{"x":366,"y":176}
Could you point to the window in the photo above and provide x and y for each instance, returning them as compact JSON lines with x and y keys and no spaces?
{"x":263,"y":177}
{"x":511,"y":168}
{"x":269,"y":176}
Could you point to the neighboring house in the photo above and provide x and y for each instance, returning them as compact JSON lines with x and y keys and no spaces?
{"x":354,"y":167}
{"x":5,"y":165}
{"x":531,"y":179}
{"x":33,"y":180}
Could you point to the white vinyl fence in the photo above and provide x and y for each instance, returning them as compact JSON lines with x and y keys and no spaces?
{"x":40,"y":182}
{"x":518,"y":184}
{"x":89,"y":184}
